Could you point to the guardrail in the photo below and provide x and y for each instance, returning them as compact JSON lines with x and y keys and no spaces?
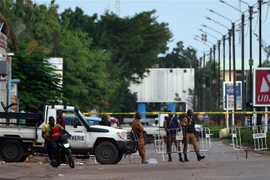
{"x":160,"y":142}
{"x":177,"y":113}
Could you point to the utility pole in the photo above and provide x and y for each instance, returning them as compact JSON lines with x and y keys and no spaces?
{"x":224,"y":39}
{"x":234,"y":69}
{"x":259,"y":116}
{"x":250,"y":62}
{"x":230,"y":55}
{"x":243,"y":63}
{"x":204,"y":85}
{"x":210,"y":82}
{"x":260,"y":32}
{"x":201,"y":87}
{"x":218,"y":107}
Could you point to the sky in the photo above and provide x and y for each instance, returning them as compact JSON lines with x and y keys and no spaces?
{"x":186,"y":17}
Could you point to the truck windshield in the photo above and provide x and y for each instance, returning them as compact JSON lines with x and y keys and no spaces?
{"x":82,"y":119}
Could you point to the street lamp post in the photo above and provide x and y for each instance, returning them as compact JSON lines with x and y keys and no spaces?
{"x":218,"y":78}
{"x":260,"y":32}
{"x":223,"y":46}
{"x":233,"y":49}
{"x":230,"y":37}
{"x":250,"y":10}
{"x":242,"y":57}
{"x":204,"y":63}
{"x":214,"y":49}
{"x":219,"y":88}
{"x":212,"y":57}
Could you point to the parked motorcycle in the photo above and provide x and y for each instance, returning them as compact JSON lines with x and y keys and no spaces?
{"x":64,"y":154}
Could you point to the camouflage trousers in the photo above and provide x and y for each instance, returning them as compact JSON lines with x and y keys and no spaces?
{"x":141,"y":147}
{"x":190,"y":137}
{"x":171,"y":138}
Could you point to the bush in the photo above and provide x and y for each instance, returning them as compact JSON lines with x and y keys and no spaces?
{"x":215,"y":130}
{"x":215,"y":133}
{"x":247,"y":137}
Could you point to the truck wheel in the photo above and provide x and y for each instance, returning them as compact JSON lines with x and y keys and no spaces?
{"x":12,"y":151}
{"x":106,"y":153}
{"x":119,"y":158}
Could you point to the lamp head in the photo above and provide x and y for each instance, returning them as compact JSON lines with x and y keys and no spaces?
{"x":208,"y":18}
{"x":222,"y":1}
{"x":212,"y":11}
{"x":203,"y":25}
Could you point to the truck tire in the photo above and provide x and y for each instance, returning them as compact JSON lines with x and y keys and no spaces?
{"x":106,"y":153}
{"x":12,"y":151}
{"x":119,"y":158}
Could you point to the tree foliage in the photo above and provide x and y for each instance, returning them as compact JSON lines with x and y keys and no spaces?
{"x":101,"y":55}
{"x":38,"y":82}
{"x":180,"y":57}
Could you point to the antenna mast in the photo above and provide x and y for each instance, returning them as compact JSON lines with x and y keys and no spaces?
{"x":117,"y":7}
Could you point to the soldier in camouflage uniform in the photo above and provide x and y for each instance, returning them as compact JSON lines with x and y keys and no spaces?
{"x":172,"y":126}
{"x":138,"y":129}
{"x":189,"y":133}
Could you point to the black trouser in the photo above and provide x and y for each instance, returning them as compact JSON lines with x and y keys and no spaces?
{"x":49,"y":149}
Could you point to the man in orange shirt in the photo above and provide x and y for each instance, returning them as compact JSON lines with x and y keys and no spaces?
{"x":53,"y":132}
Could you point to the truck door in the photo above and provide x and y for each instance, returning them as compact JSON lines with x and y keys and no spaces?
{"x":75,"y":128}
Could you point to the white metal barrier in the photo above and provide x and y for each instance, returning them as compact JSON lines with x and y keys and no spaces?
{"x":236,"y":138}
{"x":258,"y":135}
{"x":160,"y":143}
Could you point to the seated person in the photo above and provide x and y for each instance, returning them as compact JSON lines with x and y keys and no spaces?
{"x":104,"y":121}
{"x":54,"y":131}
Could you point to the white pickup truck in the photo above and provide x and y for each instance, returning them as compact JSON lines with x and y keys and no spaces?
{"x":20,"y":135}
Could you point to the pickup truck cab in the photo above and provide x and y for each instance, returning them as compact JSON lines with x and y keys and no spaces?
{"x":18,"y":140}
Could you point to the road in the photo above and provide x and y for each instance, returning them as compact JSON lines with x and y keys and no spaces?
{"x":221,"y":163}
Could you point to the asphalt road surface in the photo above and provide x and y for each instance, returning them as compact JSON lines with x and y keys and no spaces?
{"x":221,"y":163}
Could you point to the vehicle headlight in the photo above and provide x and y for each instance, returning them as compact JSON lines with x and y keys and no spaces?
{"x":122,"y":135}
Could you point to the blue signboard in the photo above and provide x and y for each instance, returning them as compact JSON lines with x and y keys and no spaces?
{"x":205,"y":117}
{"x":228,"y":94}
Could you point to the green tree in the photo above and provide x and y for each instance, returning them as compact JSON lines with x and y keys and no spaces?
{"x":180,"y":57}
{"x":86,"y":78}
{"x":133,"y":42}
{"x":101,"y":56}
{"x":38,"y":82}
{"x":266,"y":63}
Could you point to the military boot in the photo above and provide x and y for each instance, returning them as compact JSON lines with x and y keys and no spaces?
{"x":169,"y":157}
{"x":144,"y":161}
{"x":185,"y":158}
{"x":180,"y":158}
{"x":199,"y":157}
